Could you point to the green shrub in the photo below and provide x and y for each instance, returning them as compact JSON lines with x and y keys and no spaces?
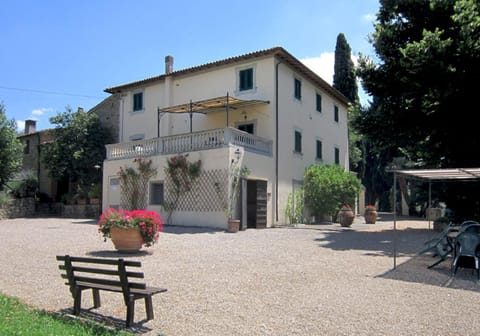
{"x":294,"y":208}
{"x":25,"y":184}
{"x":328,"y":187}
{"x":5,"y":198}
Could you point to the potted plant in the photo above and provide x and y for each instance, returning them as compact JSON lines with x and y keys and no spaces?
{"x":345,"y":216}
{"x":129,"y":230}
{"x":236,"y":175}
{"x":371,"y":214}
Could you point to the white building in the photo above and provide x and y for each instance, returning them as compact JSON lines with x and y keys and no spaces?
{"x":264,"y":110}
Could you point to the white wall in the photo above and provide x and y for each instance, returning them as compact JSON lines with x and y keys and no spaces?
{"x":292,"y":114}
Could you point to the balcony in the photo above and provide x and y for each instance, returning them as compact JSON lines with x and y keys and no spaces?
{"x":188,"y":142}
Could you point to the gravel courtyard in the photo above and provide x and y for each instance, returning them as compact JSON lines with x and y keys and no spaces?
{"x":310,"y":280}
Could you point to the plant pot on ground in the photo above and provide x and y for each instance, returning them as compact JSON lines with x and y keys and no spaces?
{"x":346,"y":216}
{"x":130,"y":230}
{"x":371,"y":214}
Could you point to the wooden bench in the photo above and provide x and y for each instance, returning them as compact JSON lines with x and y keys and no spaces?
{"x":113,"y":275}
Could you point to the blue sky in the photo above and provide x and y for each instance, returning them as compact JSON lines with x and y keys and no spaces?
{"x":58,"y":53}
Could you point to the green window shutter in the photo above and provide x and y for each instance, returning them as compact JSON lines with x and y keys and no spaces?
{"x":319,"y":150}
{"x":319,"y":103}
{"x":246,"y":79}
{"x":337,"y":156}
{"x":298,"y":142}
{"x":335,"y":113}
{"x":298,"y":89}
{"x":138,"y":101}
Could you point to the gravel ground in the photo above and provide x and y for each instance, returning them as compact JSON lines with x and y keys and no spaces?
{"x":309,"y":280}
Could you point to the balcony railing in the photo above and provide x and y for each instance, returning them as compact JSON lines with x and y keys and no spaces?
{"x":188,"y":142}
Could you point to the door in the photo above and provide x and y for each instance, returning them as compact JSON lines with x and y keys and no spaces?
{"x":256,"y":204}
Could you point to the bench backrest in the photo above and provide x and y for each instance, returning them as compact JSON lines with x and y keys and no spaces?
{"x":113,"y":274}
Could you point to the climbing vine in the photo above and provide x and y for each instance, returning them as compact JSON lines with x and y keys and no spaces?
{"x":134,"y":184}
{"x":182,"y":175}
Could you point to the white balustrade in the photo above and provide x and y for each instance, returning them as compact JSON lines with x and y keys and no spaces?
{"x":188,"y":142}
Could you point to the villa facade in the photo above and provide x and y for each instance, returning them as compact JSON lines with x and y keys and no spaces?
{"x":265,"y":110}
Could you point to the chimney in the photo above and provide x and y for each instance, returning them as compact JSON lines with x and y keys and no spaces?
{"x":30,"y":126}
{"x":80,"y":110}
{"x":168,"y":65}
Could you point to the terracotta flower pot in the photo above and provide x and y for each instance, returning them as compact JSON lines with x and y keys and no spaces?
{"x":233,"y":225}
{"x":345,"y":217}
{"x":126,"y":240}
{"x":371,"y":216}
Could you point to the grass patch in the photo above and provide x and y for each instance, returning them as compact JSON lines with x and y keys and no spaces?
{"x":16,"y":318}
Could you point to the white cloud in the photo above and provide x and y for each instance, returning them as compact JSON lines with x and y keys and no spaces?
{"x":41,"y":111}
{"x":322,"y":65}
{"x":370,"y":17}
{"x":20,"y":125}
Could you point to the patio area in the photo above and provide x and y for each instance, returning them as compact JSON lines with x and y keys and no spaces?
{"x":308,"y":280}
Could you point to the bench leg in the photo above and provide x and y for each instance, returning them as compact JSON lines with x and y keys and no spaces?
{"x":77,"y":301}
{"x":96,"y":297}
{"x":130,"y":312}
{"x":149,"y":307}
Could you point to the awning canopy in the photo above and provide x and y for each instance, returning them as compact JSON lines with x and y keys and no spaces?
{"x":442,"y":174}
{"x":430,"y":175}
{"x":212,"y":105}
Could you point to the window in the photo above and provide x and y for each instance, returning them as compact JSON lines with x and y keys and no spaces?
{"x":245,"y":79}
{"x":156,"y":193}
{"x":138,"y":101}
{"x":335,"y":113}
{"x":298,"y":89}
{"x":298,"y":142}
{"x":249,"y":128}
{"x":319,"y":103}
{"x":337,"y":156}
{"x":26,"y":150}
{"x":318,"y":154}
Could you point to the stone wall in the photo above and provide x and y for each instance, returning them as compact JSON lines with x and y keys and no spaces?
{"x":81,"y":211}
{"x":23,"y":207}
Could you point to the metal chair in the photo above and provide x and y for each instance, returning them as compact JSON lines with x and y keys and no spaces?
{"x":440,"y":245}
{"x":467,"y":244}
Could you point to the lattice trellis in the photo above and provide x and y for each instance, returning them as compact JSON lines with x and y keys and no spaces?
{"x":133,"y":193}
{"x":208,"y":192}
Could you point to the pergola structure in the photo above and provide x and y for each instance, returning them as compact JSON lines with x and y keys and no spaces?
{"x":430,"y":175}
{"x":211,"y":105}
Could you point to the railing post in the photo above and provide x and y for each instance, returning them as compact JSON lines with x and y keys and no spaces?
{"x":228,"y":135}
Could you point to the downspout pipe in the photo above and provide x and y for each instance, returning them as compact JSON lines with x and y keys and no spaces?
{"x":276,"y":140}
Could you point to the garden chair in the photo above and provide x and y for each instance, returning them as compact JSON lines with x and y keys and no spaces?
{"x":467,"y":256}
{"x":440,"y":245}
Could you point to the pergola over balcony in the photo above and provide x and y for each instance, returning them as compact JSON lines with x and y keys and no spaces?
{"x":211,"y":105}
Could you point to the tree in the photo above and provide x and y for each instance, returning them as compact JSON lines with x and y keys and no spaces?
{"x":425,"y":80}
{"x":78,"y":146}
{"x":344,"y":79}
{"x":424,"y":85}
{"x":11,"y":149}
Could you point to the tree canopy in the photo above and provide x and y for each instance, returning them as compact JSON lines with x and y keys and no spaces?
{"x":78,"y":146}
{"x":424,"y":82}
{"x":11,"y":149}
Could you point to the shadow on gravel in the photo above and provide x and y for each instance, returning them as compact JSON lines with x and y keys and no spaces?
{"x":415,"y":270}
{"x":117,"y":254}
{"x":173,"y":229}
{"x":104,"y":320}
{"x":412,"y":267}
{"x":375,"y":243}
